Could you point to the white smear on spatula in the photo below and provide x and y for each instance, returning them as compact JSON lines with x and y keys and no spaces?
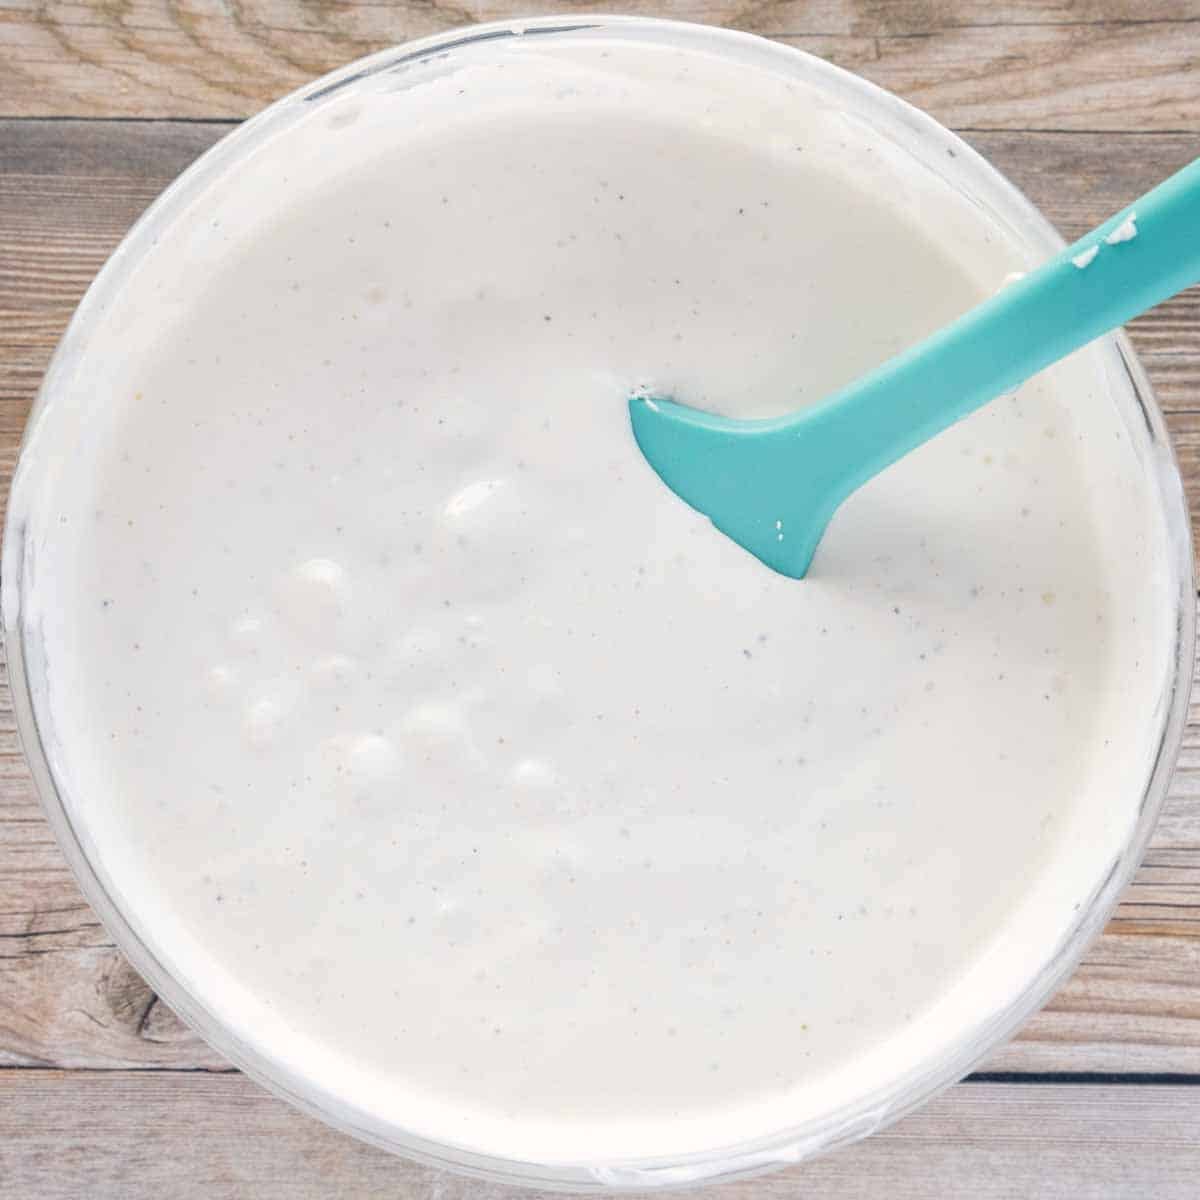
{"x":1125,"y":232}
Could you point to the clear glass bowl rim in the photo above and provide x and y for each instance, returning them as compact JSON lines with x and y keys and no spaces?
{"x":725,"y":1162}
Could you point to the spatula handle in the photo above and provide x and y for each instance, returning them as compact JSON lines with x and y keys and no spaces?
{"x":1135,"y":260}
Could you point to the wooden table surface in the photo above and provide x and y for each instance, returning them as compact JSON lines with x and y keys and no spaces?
{"x":103,"y":1093}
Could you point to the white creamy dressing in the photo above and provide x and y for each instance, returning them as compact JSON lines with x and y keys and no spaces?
{"x":452,"y":760}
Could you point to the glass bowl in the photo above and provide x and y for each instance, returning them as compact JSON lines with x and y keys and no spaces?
{"x":929,"y":147}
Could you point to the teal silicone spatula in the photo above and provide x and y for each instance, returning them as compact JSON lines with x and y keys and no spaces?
{"x":773,"y":486}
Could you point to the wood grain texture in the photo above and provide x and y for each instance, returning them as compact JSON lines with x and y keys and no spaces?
{"x":185,"y":1124}
{"x":69,"y":190}
{"x":1035,"y":64}
{"x":64,"y":1136}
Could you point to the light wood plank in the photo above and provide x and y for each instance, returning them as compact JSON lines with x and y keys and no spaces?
{"x":1037,"y":64}
{"x":122,"y":1136}
{"x":69,"y":190}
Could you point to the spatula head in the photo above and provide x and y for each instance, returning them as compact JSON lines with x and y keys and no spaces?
{"x":759,"y":482}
